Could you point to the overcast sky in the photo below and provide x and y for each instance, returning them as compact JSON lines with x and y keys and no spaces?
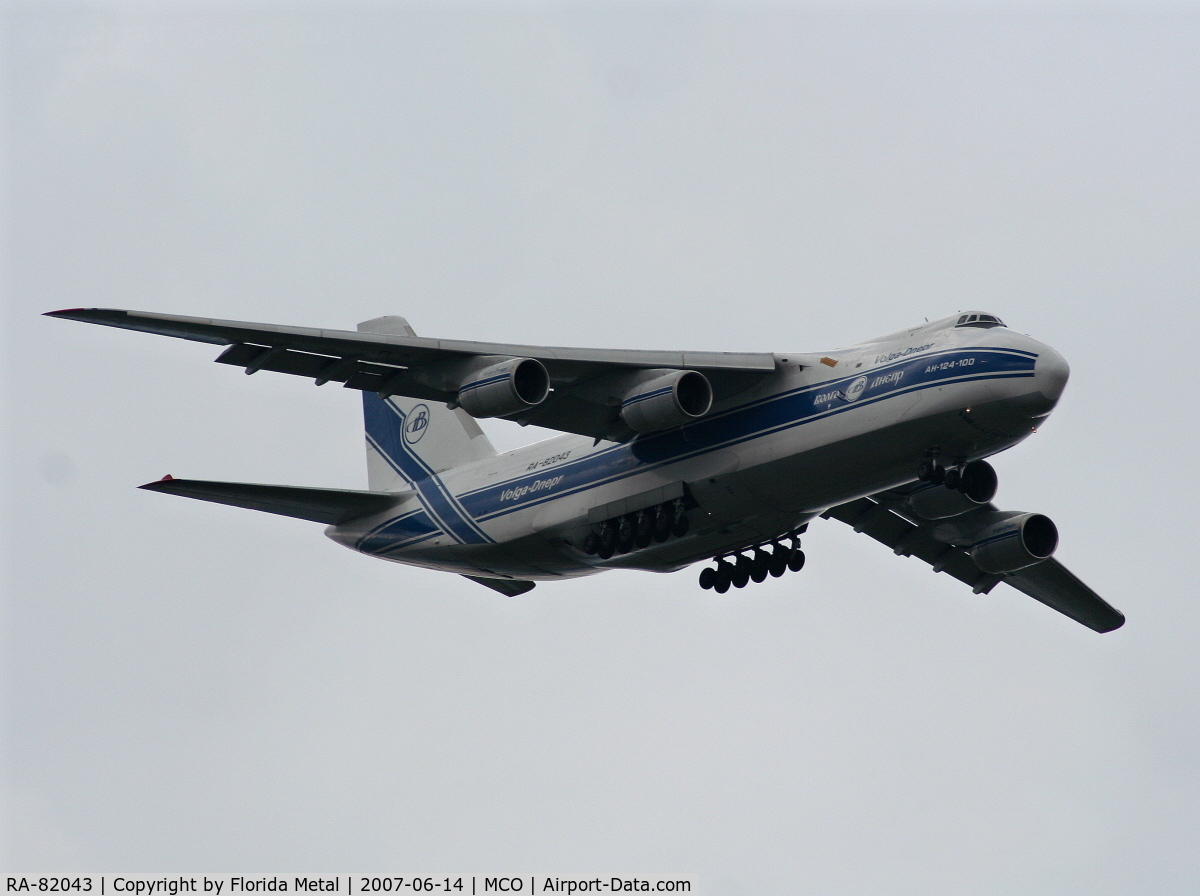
{"x":198,"y":688}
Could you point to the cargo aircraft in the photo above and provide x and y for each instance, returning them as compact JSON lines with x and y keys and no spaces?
{"x":668,"y":458}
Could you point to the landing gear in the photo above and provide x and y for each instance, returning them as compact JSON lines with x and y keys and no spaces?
{"x":975,"y":479}
{"x":741,"y":571}
{"x":608,"y":540}
{"x":664,"y":521}
{"x":724,"y":577}
{"x":625,"y":534}
{"x":644,"y":528}
{"x":769,"y":559}
{"x":796,"y":561}
{"x":760,"y":565}
{"x":639,"y":529}
{"x":680,"y":526}
{"x":779,"y":560}
{"x":931,"y":471}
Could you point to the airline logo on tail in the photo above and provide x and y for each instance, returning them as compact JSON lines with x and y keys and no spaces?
{"x":417,"y":424}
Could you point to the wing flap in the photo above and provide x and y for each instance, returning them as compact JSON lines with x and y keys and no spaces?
{"x":907,"y":540}
{"x":320,"y":505}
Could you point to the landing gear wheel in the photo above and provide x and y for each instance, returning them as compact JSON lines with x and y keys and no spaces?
{"x":953,"y":478}
{"x":796,"y":561}
{"x":644,"y":529}
{"x":741,"y":572}
{"x":760,"y":566}
{"x":662,"y":522}
{"x":927,"y":471}
{"x":591,"y":544}
{"x":682,"y":524}
{"x":708,"y":578}
{"x":608,"y":541}
{"x":723,"y":578}
{"x":779,"y":561}
{"x":625,"y":535}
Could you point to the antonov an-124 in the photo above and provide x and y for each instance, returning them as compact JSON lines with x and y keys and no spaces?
{"x":668,"y":458}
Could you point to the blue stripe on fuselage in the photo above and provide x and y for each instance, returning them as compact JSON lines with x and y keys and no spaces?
{"x":763,"y":417}
{"x":401,"y":532}
{"x":754,"y":420}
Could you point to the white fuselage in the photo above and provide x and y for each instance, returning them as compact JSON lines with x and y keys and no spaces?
{"x":810,"y":436}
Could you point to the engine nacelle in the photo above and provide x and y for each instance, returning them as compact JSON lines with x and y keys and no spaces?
{"x":976,"y":486}
{"x":661,"y":402}
{"x":504,"y":388}
{"x":1015,"y":543}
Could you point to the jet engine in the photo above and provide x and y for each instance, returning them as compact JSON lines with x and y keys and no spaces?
{"x":1014,"y":543}
{"x":516,"y":384}
{"x":974,"y":486}
{"x":665,"y":400}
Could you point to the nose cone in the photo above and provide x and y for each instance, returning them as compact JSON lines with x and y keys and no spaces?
{"x":1051,"y":373}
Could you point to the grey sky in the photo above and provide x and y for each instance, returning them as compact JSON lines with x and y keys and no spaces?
{"x":191,"y":687}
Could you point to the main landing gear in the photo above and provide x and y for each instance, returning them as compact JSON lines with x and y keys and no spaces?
{"x":742,"y":568}
{"x":638,"y":529}
{"x":976,"y":479}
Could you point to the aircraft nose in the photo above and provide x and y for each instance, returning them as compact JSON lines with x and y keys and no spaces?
{"x":1051,"y":373}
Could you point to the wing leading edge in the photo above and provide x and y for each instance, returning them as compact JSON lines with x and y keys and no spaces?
{"x":581,"y":401}
{"x":1049,"y":581}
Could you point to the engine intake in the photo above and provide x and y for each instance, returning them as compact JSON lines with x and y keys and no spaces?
{"x":666,"y":400}
{"x":1015,"y":543}
{"x":504,"y":388}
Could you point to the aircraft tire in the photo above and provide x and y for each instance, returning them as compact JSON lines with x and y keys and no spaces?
{"x":741,"y":571}
{"x":760,"y":566}
{"x":721,"y":585}
{"x":953,"y":479}
{"x":796,"y":561}
{"x":608,"y":540}
{"x":625,"y":533}
{"x":779,"y":562}
{"x":681,"y":526}
{"x":708,"y":577}
{"x":662,"y":522}
{"x":645,"y":527}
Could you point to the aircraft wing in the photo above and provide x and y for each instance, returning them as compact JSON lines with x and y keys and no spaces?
{"x":1049,"y":581}
{"x":584,"y":399}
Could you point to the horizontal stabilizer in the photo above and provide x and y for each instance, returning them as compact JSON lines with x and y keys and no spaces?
{"x":320,"y":505}
{"x":509,"y":587}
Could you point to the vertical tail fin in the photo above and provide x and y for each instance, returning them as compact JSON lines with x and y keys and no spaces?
{"x":407,"y":439}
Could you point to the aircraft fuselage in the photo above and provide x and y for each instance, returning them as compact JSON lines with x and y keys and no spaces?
{"x":820,"y":431}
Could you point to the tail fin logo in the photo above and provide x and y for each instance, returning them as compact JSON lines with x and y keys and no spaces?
{"x":416,"y":424}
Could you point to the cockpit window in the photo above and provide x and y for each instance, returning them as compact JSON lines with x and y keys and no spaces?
{"x":979,"y":320}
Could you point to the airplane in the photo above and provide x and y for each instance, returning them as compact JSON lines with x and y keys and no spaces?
{"x":668,"y":458}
